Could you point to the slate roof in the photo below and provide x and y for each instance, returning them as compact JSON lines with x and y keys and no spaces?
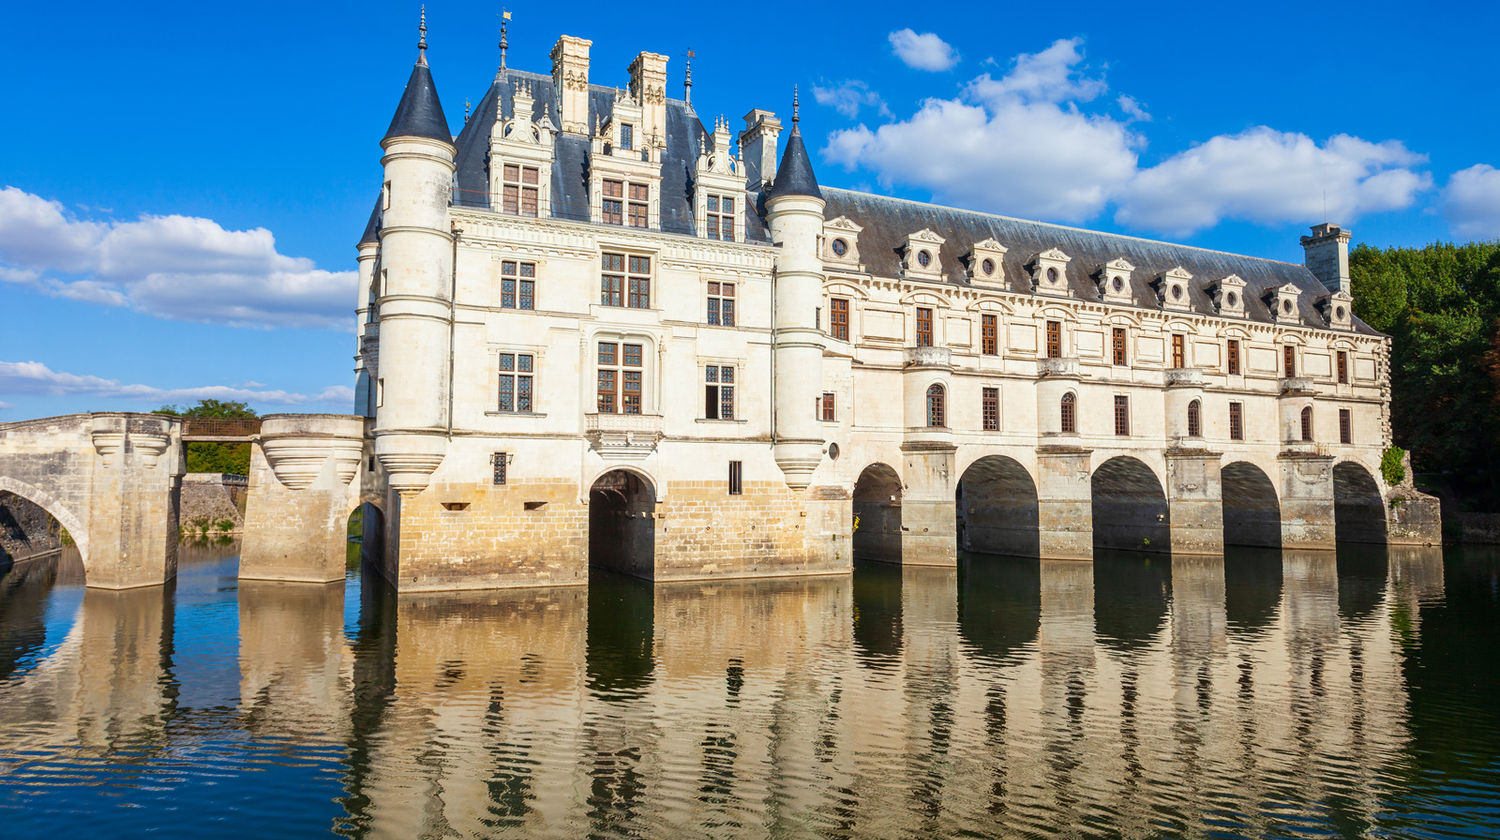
{"x":420,"y":114}
{"x":887,"y":222}
{"x":372,"y":227}
{"x":795,"y":174}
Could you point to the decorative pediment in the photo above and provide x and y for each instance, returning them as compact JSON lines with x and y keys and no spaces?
{"x":1282,"y":301}
{"x":841,"y":241}
{"x":1172,"y":289}
{"x":921,"y":259}
{"x":1229,"y":296}
{"x":985,"y":263}
{"x":1338,"y":310}
{"x":1114,"y":279}
{"x":1049,"y":273}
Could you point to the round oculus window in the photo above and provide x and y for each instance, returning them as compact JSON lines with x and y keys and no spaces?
{"x":924,"y":259}
{"x":840,"y":247}
{"x":1232,"y":299}
{"x":1051,"y":275}
{"x":833,"y":452}
{"x":1286,"y":306}
{"x":987,"y":267}
{"x":1338,"y":313}
{"x":1118,"y":283}
{"x":1176,"y":293}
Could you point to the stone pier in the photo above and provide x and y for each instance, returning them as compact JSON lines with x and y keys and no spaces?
{"x":1307,"y":501}
{"x":1195,"y":501}
{"x":1065,"y":503}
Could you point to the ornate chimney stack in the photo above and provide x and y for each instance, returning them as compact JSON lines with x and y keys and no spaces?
{"x":648,"y":86}
{"x":570,"y":77}
{"x":1327,"y":256}
{"x":758,"y":146}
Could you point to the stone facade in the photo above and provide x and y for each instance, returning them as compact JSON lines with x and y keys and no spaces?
{"x":209,"y":500}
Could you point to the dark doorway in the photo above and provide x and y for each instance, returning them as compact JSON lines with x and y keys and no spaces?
{"x":996,"y":504}
{"x":622,"y":524}
{"x":1358,"y":512}
{"x":1130,"y":509}
{"x":877,"y":515}
{"x":1252,"y":514}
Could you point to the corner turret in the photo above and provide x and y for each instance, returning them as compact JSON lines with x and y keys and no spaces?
{"x":795,"y":175}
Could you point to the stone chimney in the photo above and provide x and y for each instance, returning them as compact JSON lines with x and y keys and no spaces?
{"x":648,"y":86}
{"x":758,"y":147}
{"x":570,"y":78}
{"x":1327,"y":256}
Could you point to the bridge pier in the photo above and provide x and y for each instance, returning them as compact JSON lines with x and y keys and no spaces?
{"x":302,"y":490}
{"x":1307,"y":501}
{"x":1195,"y":502}
{"x":929,"y":524}
{"x":1065,"y":513}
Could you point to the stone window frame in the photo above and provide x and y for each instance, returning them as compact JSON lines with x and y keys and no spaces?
{"x":1195,"y":418}
{"x":520,"y":376}
{"x":1068,"y":413}
{"x":521,"y":186}
{"x":720,"y":306}
{"x":989,"y":408}
{"x":1306,"y":421}
{"x":521,"y":281}
{"x":1236,"y":420}
{"x":627,"y":207}
{"x":618,"y":363}
{"x":1122,"y":415}
{"x":626,"y":294}
{"x":714,"y":384}
{"x":1346,"y":426}
{"x":1119,"y":348}
{"x":1178,"y":351}
{"x":827,"y":407}
{"x":923,"y":333}
{"x":937,"y":406}
{"x":1233,"y":357}
{"x":714,"y":219}
{"x":989,"y":333}
{"x":1289,"y":360}
{"x":1341,"y":367}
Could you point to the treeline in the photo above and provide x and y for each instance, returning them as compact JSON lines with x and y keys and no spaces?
{"x":1441,"y":306}
{"x":232,"y":458}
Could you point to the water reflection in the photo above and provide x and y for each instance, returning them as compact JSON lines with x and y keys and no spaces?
{"x":1260,"y":694}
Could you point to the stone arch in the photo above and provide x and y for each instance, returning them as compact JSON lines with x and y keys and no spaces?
{"x":55,"y":508}
{"x":877,"y":514}
{"x":372,"y":529}
{"x":622,"y":523}
{"x":997,"y":508}
{"x":1252,"y":511}
{"x":1129,"y":506}
{"x":1358,"y":509}
{"x":639,"y":472}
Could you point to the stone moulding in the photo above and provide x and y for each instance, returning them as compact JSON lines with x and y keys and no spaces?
{"x":630,"y":436}
{"x":297,"y":446}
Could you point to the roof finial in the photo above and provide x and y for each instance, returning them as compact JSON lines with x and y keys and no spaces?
{"x":422,"y":39}
{"x":687,"y":79}
{"x":796,"y":109}
{"x":504,"y":43}
{"x":466,"y":110}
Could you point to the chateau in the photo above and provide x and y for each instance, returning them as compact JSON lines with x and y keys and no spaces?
{"x":594,"y":327}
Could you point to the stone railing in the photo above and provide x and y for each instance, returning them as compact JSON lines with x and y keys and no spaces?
{"x":1060,"y":366}
{"x":623,"y":435}
{"x":1296,"y":385}
{"x":1184,"y":377}
{"x":927,"y":357}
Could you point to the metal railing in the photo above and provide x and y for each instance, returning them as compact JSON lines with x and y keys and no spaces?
{"x":220,"y":427}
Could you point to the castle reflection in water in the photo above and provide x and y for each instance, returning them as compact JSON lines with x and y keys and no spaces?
{"x":1130,"y":696}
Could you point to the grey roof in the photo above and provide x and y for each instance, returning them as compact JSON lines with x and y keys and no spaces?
{"x":420,"y":114}
{"x":372,"y":227}
{"x":795,"y":174}
{"x":887,"y":222}
{"x":570,"y":186}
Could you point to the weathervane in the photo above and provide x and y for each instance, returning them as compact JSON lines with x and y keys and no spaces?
{"x":687,"y":81}
{"x":504,"y":43}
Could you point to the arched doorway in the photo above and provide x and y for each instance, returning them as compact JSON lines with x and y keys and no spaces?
{"x":877,"y":515}
{"x":997,"y":510}
{"x":1252,"y":513}
{"x":366,"y":535}
{"x":622,"y":524}
{"x":1130,"y":509}
{"x":1358,"y":512}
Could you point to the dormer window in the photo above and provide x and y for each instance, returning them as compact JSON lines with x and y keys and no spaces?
{"x":1337,"y":309}
{"x":720,"y":217}
{"x":1282,"y":301}
{"x":627,"y":137}
{"x":924,"y":258}
{"x":840,"y":242}
{"x":519,"y":189}
{"x":987,"y":267}
{"x":1171,"y":288}
{"x":984,"y":264}
{"x":840,"y":248}
{"x":617,"y":209}
{"x":1047,"y":275}
{"x":1229,"y":296}
{"x":1114,"y":281}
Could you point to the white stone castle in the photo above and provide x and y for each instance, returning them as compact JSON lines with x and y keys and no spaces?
{"x":593,"y":329}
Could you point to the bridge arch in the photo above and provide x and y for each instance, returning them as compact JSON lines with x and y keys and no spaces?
{"x":622,"y":524}
{"x":997,"y":508}
{"x":877,"y":514}
{"x":1358,"y":508}
{"x":55,"y":508}
{"x":1252,"y":511}
{"x":1129,"y":506}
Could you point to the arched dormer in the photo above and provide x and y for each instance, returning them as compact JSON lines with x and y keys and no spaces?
{"x":985,"y":263}
{"x":841,"y":243}
{"x":922,"y":256}
{"x":1049,"y":273}
{"x":1113,"y":279}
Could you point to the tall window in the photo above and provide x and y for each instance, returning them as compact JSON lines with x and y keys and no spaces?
{"x":1069,"y":409}
{"x":1195,"y":419}
{"x":989,"y":409}
{"x":619,"y":287}
{"x":1117,"y":346}
{"x":1236,"y":421}
{"x":619,"y":378}
{"x":736,"y":478}
{"x":718,"y":392}
{"x":635,"y":209}
{"x":826,"y":408}
{"x":720,"y":217}
{"x":936,"y":409}
{"x":616,"y":209}
{"x":516,"y":370}
{"x":613,"y":207}
{"x":1179,"y":350}
{"x":518,"y":189}
{"x":1232,"y":355}
{"x":838,"y":318}
{"x":1122,"y":415}
{"x":498,"y":464}
{"x":1289,"y":361}
{"x":1054,"y":339}
{"x":924,"y":327}
{"x":1346,"y":426}
{"x":627,"y":136}
{"x":517,"y":285}
{"x":989,"y":339}
{"x":1307,"y":430}
{"x":721,"y":304}
{"x":1342,"y":360}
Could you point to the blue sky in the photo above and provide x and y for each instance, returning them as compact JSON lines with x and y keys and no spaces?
{"x":182,"y":185}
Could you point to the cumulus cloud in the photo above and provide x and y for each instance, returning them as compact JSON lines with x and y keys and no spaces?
{"x":1471,"y":202}
{"x":848,"y":96}
{"x":36,"y":379}
{"x":1133,"y":108}
{"x":1272,"y":177}
{"x":1052,"y":75}
{"x":177,"y":267}
{"x":923,"y":51}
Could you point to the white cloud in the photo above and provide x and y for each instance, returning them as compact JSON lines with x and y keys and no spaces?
{"x":1052,"y":75}
{"x":177,"y":267}
{"x":1133,"y":108}
{"x":1272,"y":177}
{"x":36,"y":379}
{"x":848,"y":96}
{"x":923,"y":51}
{"x":1472,"y":202}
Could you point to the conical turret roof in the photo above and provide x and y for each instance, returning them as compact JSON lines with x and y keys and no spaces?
{"x":795,"y":175}
{"x":420,"y":114}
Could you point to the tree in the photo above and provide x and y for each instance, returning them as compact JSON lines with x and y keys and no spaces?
{"x":232,"y":458}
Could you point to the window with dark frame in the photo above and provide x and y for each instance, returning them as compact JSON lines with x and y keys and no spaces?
{"x":736,"y":478}
{"x":989,"y":409}
{"x":497,"y":463}
{"x":1179,"y":351}
{"x":1122,"y":415}
{"x":627,"y":137}
{"x":636,"y":209}
{"x":612,"y":207}
{"x":517,"y":285}
{"x":621,"y":287}
{"x":720,"y":217}
{"x":1307,"y":424}
{"x":1232,"y":356}
{"x":1054,"y":339}
{"x":516,"y":371}
{"x":1346,"y":426}
{"x":989,"y":335}
{"x":1117,"y":347}
{"x":718,"y":392}
{"x":826,"y":408}
{"x":1195,"y":419}
{"x":838,"y":318}
{"x":1236,"y":421}
{"x":1069,"y":414}
{"x":936,"y":408}
{"x":1342,"y":359}
{"x":519,"y":189}
{"x":721,"y":304}
{"x":924,"y":327}
{"x":1289,"y":361}
{"x":619,"y":378}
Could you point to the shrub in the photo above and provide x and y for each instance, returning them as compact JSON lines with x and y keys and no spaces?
{"x":1390,"y":466}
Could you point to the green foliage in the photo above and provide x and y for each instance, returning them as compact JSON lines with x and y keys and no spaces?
{"x":1390,"y":466}
{"x":1441,"y":306}
{"x":232,"y":458}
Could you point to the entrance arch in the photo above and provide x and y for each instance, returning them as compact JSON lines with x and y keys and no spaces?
{"x":1252,"y":513}
{"x":52,"y":507}
{"x":1130,"y":508}
{"x":1358,"y":511}
{"x":622,"y":524}
{"x":997,"y":508}
{"x":370,"y":549}
{"x":877,"y":515}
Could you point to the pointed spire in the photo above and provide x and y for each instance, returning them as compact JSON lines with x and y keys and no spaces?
{"x":422,"y":38}
{"x":420,"y":114}
{"x":795,"y":175}
{"x":466,"y":111}
{"x":504,"y":42}
{"x":687,"y":79}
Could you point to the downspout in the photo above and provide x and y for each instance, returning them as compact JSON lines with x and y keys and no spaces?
{"x":773,"y":355}
{"x":452,"y":325}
